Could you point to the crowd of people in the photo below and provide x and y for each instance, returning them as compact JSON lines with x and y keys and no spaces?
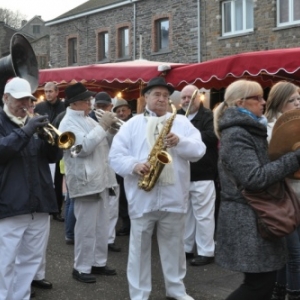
{"x":97,"y":179}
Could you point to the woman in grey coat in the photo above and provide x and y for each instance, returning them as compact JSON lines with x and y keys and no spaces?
{"x":244,"y":163}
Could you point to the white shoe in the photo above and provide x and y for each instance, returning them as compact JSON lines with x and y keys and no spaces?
{"x":186,"y":297}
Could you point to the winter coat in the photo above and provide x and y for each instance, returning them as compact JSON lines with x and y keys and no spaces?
{"x":243,"y":152}
{"x":52,"y":110}
{"x":25,"y":179}
{"x":207,"y":167}
{"x":88,"y":173}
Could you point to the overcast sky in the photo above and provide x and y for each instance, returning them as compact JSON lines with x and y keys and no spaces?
{"x":46,"y":9}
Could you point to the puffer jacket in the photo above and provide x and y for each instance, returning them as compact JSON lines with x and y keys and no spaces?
{"x":25,"y":179}
{"x":244,"y":162}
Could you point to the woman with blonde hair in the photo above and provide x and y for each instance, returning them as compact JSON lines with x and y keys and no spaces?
{"x":244,"y":163}
{"x":283,"y":97}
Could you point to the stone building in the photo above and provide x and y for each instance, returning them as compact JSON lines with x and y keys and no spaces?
{"x":35,"y":32}
{"x":38,"y":34}
{"x":101,"y":31}
{"x":6,"y":32}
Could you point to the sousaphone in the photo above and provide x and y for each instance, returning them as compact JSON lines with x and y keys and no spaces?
{"x":286,"y":136}
{"x":20,"y":62}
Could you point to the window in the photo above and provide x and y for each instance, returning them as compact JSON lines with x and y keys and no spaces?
{"x":72,"y":51}
{"x":162,"y":34}
{"x":288,"y":12}
{"x":237,"y":16}
{"x":36,"y":29}
{"x":123,"y":42}
{"x":103,"y":46}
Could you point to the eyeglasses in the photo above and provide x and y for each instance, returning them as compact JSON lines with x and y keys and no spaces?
{"x":88,"y":100}
{"x":257,"y":98}
{"x":293,"y":100}
{"x":158,"y":95}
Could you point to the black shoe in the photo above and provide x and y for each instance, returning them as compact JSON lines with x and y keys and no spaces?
{"x":58,"y":217}
{"x":189,"y":255}
{"x":103,"y":271}
{"x":69,"y":241}
{"x":201,"y":260}
{"x":112,"y":247}
{"x":32,"y":294}
{"x":42,"y":284}
{"x":123,"y":232}
{"x":83,"y":277}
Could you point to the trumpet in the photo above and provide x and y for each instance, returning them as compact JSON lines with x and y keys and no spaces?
{"x":75,"y":150}
{"x":64,"y":140}
{"x":99,"y":113}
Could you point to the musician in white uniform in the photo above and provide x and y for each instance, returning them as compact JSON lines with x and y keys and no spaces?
{"x":166,"y":204}
{"x":88,"y":178}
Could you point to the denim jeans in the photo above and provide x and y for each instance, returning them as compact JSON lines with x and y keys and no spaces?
{"x":70,"y":219}
{"x":290,"y":274}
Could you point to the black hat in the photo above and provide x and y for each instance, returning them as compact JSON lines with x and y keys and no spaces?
{"x":157,"y":81}
{"x":103,"y":98}
{"x":77,"y":92}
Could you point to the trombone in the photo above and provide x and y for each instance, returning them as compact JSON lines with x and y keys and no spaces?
{"x":194,"y":95}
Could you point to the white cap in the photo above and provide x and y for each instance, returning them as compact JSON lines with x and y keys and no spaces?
{"x":18,"y":88}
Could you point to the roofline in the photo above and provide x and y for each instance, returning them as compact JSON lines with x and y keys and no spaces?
{"x":90,"y":12}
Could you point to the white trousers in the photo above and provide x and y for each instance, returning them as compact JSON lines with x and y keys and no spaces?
{"x":170,"y":230}
{"x":91,"y":231}
{"x":200,"y":219}
{"x":42,"y":267}
{"x":22,"y":243}
{"x":113,"y":215}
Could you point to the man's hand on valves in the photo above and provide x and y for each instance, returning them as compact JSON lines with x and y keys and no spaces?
{"x":142,"y":169}
{"x":171,"y":140}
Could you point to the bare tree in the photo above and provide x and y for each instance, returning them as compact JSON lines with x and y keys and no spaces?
{"x":11,"y":18}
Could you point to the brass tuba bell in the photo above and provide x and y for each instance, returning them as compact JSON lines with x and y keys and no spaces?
{"x":20,"y":62}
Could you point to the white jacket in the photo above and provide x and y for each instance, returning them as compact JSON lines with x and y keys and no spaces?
{"x":88,"y":173}
{"x":130,"y":147}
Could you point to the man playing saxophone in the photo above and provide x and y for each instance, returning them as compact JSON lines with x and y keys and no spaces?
{"x":166,"y":203}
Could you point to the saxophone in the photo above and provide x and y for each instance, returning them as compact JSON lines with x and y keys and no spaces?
{"x":158,"y":156}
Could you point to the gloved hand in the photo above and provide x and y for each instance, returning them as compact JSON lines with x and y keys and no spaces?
{"x":107,"y":120}
{"x":34,"y":123}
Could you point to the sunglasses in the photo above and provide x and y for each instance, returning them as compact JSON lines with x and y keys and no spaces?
{"x":257,"y":98}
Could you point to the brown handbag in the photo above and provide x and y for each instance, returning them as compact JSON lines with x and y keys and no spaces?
{"x":277,"y":209}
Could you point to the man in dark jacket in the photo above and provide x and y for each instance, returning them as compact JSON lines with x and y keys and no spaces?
{"x":53,"y":106}
{"x":26,"y":191}
{"x":200,"y":222}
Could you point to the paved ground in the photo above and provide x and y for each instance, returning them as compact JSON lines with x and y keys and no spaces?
{"x":203,"y":283}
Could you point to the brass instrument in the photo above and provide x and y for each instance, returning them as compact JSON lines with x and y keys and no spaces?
{"x":64,"y":140}
{"x":75,"y":150}
{"x":20,"y":62}
{"x":158,"y":156}
{"x":99,"y":113}
{"x":194,"y":95}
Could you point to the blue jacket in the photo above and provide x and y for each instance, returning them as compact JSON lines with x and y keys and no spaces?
{"x":25,"y":179}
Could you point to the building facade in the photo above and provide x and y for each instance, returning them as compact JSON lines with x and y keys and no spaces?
{"x":102,"y":31}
